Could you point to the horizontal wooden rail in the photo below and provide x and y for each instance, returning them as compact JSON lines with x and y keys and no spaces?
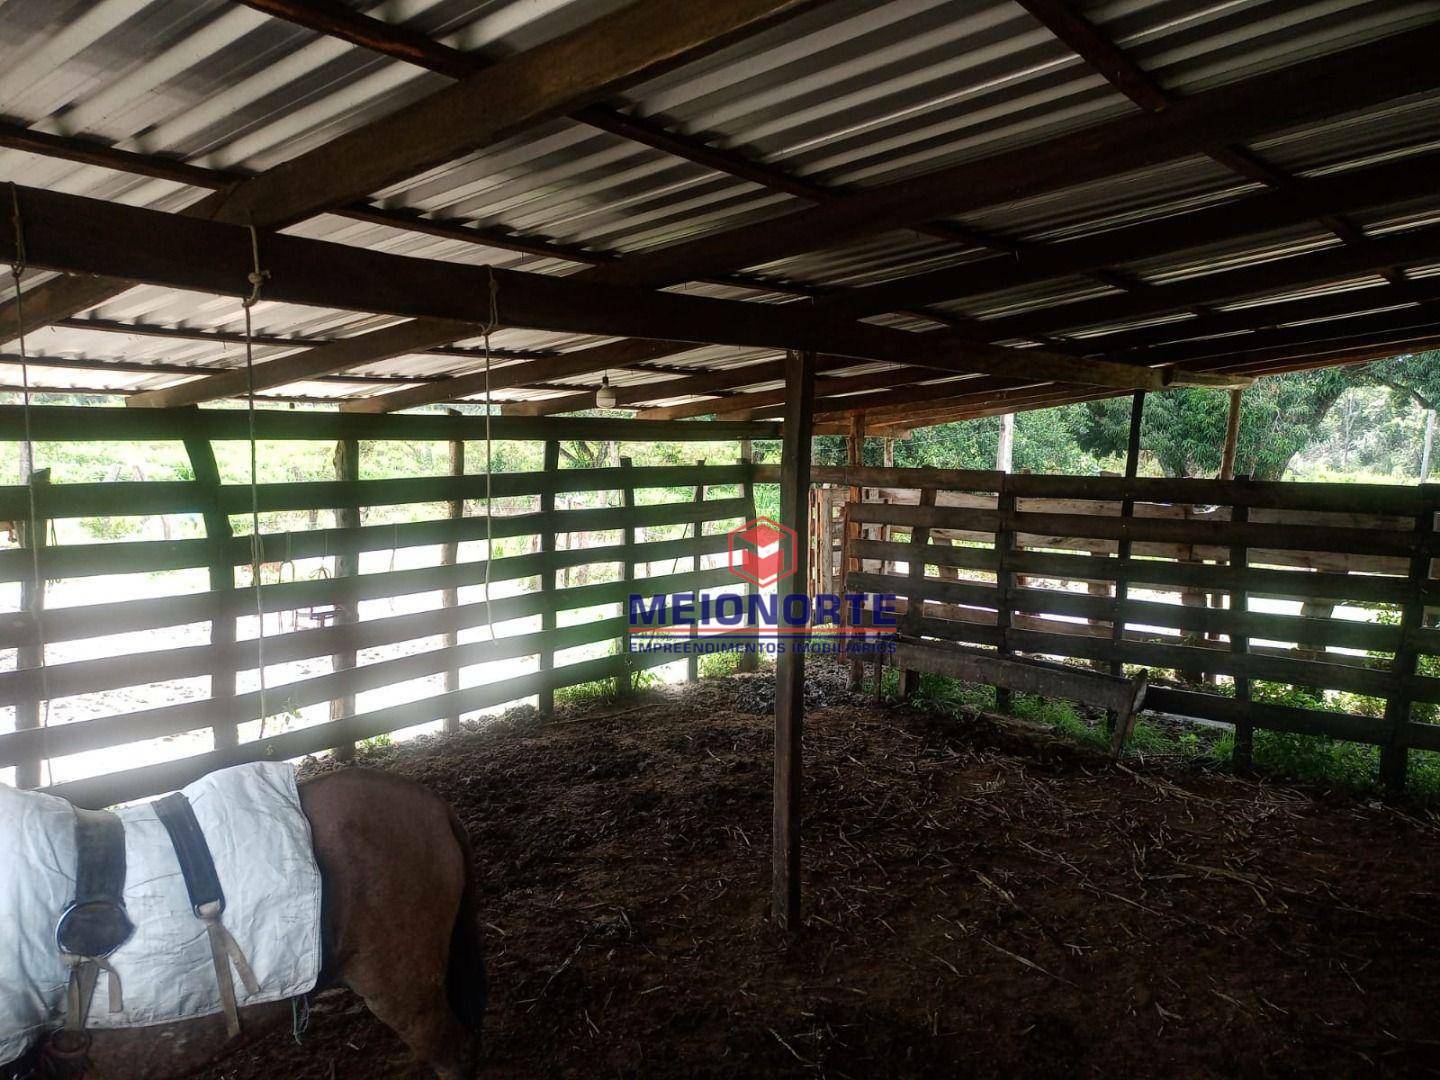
{"x":150,"y":556}
{"x":67,"y":423}
{"x":151,"y":779}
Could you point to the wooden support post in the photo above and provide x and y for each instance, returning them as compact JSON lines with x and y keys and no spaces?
{"x":855,"y":445}
{"x":218,"y":534}
{"x":915,"y":593}
{"x":1004,"y":580}
{"x":750,"y":656}
{"x":1244,"y":754}
{"x":347,"y":612}
{"x":32,"y":602}
{"x":692,"y":659}
{"x":625,"y":682}
{"x":1394,"y":756}
{"x":1227,"y":472}
{"x":1127,"y":511}
{"x":448,"y":555}
{"x":546,"y":696}
{"x":790,"y":664}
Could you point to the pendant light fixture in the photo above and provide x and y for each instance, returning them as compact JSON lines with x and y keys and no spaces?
{"x":605,"y":396}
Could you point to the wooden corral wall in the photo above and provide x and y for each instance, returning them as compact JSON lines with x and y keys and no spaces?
{"x":567,"y":617}
{"x":1181,"y":597}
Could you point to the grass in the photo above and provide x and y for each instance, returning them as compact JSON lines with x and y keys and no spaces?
{"x":1310,"y":759}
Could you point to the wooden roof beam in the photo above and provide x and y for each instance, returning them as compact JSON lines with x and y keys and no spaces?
{"x":588,"y":64}
{"x":79,"y":235}
{"x":1301,"y":93}
{"x":1251,"y":215}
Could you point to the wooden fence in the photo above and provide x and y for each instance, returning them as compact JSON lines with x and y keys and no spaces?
{"x":564,"y":618}
{"x":1174,"y":576}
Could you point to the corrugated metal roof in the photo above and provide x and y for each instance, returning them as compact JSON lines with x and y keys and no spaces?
{"x":851,"y":94}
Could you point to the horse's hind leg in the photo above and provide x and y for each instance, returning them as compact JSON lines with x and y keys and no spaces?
{"x":421,"y":1015}
{"x":394,"y":878}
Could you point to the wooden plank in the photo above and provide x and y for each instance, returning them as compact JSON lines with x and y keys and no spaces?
{"x":580,"y":362}
{"x":1244,"y":752}
{"x":790,"y":663}
{"x":916,"y":555}
{"x":152,"y":779}
{"x":30,"y":657}
{"x":1264,"y":716}
{"x":546,"y":698}
{"x":692,"y":659}
{"x":149,"y":556}
{"x":1027,"y":676}
{"x":1251,"y":214}
{"x":82,"y":736}
{"x":1394,"y":758}
{"x":584,"y":66}
{"x":1340,"y":82}
{"x":65,"y":423}
{"x":625,"y":686}
{"x":749,"y":657}
{"x":383,"y":344}
{"x":450,"y":598}
{"x":87,"y":236}
{"x":1004,"y":582}
{"x":347,"y":565}
{"x":219,"y":545}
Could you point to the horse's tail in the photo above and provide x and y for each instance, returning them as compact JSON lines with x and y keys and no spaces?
{"x":465,"y":984}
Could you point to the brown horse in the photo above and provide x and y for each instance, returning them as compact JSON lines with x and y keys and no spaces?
{"x":399,"y":929}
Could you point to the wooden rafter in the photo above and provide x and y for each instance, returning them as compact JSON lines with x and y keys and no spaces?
{"x":1308,"y":91}
{"x":79,"y":235}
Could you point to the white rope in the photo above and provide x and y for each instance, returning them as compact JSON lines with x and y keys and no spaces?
{"x":492,"y":324}
{"x":256,"y":278}
{"x":17,"y":270}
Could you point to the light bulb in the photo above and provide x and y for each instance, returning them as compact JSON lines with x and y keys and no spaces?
{"x":605,"y":396}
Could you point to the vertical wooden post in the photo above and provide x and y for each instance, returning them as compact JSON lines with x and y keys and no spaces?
{"x":855,"y":445}
{"x":625,"y":681}
{"x":692,"y":659}
{"x":32,"y":602}
{"x":347,"y":612}
{"x":1125,"y":546}
{"x":750,"y":655}
{"x":547,"y":575}
{"x":1004,"y":580}
{"x":1394,"y":757}
{"x":449,"y":553}
{"x":1427,"y":453}
{"x":1244,"y":754}
{"x":218,"y":535}
{"x":790,"y":664}
{"x":915,"y":592}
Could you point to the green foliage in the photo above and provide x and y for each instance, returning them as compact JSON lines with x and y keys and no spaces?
{"x":716,"y":665}
{"x":1183,"y":433}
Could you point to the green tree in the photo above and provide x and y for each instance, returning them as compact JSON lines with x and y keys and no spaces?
{"x":1184,"y":429}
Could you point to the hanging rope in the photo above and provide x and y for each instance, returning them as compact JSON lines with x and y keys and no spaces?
{"x":17,"y":270}
{"x":492,"y":324}
{"x":256,"y":277}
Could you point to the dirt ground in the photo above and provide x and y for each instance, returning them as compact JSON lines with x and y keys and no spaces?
{"x":980,"y":900}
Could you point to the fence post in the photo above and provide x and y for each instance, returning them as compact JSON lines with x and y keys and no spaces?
{"x":625,"y":681}
{"x":1124,"y":548}
{"x":692,"y":659}
{"x":449,"y":553}
{"x":546,"y":697}
{"x":1394,"y":757}
{"x":790,"y":664}
{"x":347,"y":612}
{"x":1244,"y":754}
{"x":915,"y":596}
{"x":855,"y":447}
{"x":749,"y":656}
{"x":1004,"y":585}
{"x":218,"y":535}
{"x":32,"y":602}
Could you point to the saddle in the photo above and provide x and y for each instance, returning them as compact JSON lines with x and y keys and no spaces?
{"x":95,"y":924}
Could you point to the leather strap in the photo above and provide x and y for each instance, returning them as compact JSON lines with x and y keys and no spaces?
{"x":96,"y":924}
{"x":197,"y":865}
{"x":207,"y":900}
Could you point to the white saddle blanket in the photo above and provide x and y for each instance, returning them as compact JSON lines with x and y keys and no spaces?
{"x":261,"y":844}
